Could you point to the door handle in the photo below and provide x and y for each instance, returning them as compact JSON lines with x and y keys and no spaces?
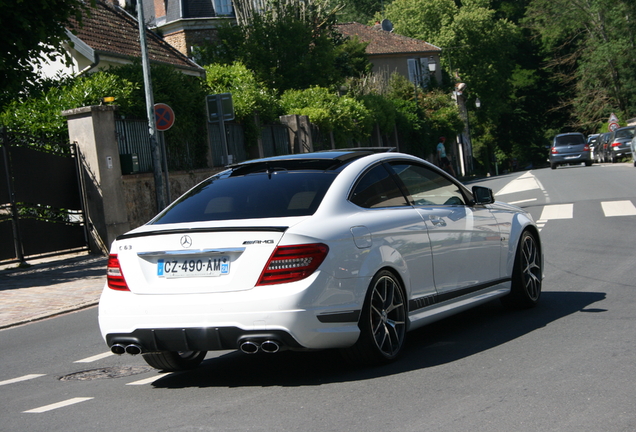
{"x":438,"y":221}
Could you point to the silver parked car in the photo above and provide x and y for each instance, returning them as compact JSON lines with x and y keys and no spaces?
{"x":620,"y":143}
{"x":569,"y":148}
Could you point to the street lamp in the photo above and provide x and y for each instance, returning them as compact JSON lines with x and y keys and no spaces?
{"x":431,"y":64}
{"x":478,"y":103}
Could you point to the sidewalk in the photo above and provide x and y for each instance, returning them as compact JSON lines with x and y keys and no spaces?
{"x":50,"y":288}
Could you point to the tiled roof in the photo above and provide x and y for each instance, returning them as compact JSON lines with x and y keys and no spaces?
{"x":109,"y":30}
{"x":384,"y":42}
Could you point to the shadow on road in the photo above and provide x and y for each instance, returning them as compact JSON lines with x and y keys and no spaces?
{"x":446,"y":341}
{"x":53,"y":273}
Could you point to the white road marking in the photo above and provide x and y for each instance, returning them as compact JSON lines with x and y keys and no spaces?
{"x":95,"y":357}
{"x":522,"y":183}
{"x":557,"y":211}
{"x":148,"y":380}
{"x":618,"y":208}
{"x":22,"y":378}
{"x":59,"y":405}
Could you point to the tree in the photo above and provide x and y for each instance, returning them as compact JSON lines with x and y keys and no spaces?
{"x":589,"y":47}
{"x":288,"y":44}
{"x":33,"y":30}
{"x":478,"y":49}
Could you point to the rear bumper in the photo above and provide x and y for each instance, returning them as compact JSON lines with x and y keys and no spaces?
{"x":571,"y":158}
{"x":198,"y":339}
{"x":220,"y":321}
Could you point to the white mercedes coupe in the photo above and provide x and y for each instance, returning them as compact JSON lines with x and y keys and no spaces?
{"x":345,"y":249}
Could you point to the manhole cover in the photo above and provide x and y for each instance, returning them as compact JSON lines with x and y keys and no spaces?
{"x":109,"y":372}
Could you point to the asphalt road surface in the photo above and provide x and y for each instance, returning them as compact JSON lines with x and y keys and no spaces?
{"x":567,"y":365}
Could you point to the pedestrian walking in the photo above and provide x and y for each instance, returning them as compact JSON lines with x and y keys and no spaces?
{"x":442,"y":159}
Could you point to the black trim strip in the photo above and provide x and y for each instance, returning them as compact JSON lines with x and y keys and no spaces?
{"x":340,"y":317}
{"x":202,"y":230}
{"x":429,"y":300}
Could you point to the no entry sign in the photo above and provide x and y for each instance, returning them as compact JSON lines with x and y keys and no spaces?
{"x":164,"y":117}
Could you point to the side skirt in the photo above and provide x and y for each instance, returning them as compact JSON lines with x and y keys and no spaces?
{"x":436,"y":307}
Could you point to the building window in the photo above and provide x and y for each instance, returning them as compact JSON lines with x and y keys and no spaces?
{"x":418,"y":71}
{"x":223,"y":8}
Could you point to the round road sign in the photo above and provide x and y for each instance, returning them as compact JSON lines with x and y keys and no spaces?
{"x":164,"y":117}
{"x":613,"y":126}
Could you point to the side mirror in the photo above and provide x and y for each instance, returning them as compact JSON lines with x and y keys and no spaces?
{"x":483,"y":195}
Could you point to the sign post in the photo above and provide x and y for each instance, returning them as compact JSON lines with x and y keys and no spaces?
{"x":220,"y":109}
{"x":164,"y":119}
{"x":613,"y":123}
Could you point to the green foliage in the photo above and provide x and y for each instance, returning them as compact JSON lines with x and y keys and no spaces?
{"x":383,"y":112}
{"x":589,"y":46}
{"x":441,"y":113}
{"x":362,"y":11}
{"x":42,"y":116}
{"x":346,"y":115}
{"x":33,"y":30}
{"x":186,"y":141}
{"x":249,"y":96}
{"x":288,"y":47}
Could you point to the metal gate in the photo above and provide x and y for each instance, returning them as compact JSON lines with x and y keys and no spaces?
{"x":41,"y":201}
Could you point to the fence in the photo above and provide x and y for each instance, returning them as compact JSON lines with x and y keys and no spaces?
{"x":41,"y":201}
{"x":133,"y":138}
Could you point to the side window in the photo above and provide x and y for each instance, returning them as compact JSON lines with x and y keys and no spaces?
{"x":376,"y":189}
{"x":427,"y":187}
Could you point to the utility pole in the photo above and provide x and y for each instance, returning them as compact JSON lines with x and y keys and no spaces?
{"x":150,"y":109}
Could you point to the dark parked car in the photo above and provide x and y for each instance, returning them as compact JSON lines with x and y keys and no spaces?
{"x":569,"y":148}
{"x":601,"y":148}
{"x":619,"y":144}
{"x":593,"y":140}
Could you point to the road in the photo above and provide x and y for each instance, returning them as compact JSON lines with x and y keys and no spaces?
{"x":567,"y":365}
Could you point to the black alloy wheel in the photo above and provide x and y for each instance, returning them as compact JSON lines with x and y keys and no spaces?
{"x":527,"y":274}
{"x":382,"y":322}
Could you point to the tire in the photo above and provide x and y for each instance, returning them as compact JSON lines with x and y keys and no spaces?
{"x":172,"y":361}
{"x":526,"y":275}
{"x":588,"y":163}
{"x":553,"y":166}
{"x":382,"y":323}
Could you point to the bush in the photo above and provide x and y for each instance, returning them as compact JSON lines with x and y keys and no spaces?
{"x":346,"y":116}
{"x":42,"y":115}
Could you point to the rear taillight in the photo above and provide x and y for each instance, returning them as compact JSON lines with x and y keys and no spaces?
{"x":554,"y":150}
{"x":293,"y":263}
{"x":586,"y":148}
{"x":114,"y":275}
{"x":616,"y":144}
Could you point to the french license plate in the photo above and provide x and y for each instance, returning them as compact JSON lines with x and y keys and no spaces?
{"x":194,"y":267}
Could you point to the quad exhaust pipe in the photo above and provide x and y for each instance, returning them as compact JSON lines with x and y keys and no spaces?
{"x":246,"y":346}
{"x":119,"y":349}
{"x":252,"y":347}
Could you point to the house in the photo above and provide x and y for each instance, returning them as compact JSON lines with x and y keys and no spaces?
{"x":390,"y":52}
{"x":109,"y":36}
{"x":187,"y":23}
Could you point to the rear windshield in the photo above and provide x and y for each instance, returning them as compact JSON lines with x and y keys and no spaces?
{"x":569,"y":139}
{"x":251,"y":196}
{"x":625,"y":133}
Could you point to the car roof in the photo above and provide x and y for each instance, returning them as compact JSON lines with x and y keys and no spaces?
{"x":624,"y":127}
{"x":569,"y":133}
{"x":322,"y":160}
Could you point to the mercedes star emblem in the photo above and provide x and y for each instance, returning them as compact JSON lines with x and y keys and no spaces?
{"x":186,"y":241}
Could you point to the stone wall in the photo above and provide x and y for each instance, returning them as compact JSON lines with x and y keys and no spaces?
{"x":139,"y":192}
